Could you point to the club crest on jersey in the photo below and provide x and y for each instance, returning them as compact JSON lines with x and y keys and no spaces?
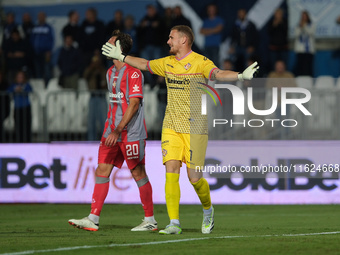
{"x":135,"y":75}
{"x":164,"y":152}
{"x":187,"y":66}
{"x":135,"y":88}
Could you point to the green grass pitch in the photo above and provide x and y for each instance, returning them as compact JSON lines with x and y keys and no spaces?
{"x":239,"y":229}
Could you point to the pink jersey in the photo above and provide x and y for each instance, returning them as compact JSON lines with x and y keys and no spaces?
{"x":123,"y":85}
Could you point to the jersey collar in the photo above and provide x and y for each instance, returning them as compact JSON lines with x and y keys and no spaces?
{"x":178,"y":59}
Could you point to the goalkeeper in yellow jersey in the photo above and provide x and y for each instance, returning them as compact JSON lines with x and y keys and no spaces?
{"x":184,"y":132}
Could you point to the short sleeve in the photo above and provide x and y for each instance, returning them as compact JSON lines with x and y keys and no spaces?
{"x":208,"y":68}
{"x":157,"y":66}
{"x":135,"y":81}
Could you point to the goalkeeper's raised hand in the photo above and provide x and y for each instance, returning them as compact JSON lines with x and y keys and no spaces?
{"x":112,"y":51}
{"x":248,"y":74}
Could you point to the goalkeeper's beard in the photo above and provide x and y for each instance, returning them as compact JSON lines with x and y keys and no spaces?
{"x":171,"y":51}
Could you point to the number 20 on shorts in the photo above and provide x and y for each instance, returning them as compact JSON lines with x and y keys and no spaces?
{"x":132,"y":150}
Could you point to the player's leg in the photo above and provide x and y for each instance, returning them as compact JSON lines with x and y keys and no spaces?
{"x":202,"y":189}
{"x":107,"y":158}
{"x":101,"y":188}
{"x":145,"y":193}
{"x":172,"y":150}
{"x":134,"y":155}
{"x":100,"y":191}
{"x":172,"y":196}
{"x":195,"y":154}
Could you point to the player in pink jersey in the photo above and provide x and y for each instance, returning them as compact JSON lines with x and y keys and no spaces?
{"x":123,"y":139}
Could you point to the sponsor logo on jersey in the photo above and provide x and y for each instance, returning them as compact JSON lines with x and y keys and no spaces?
{"x":187,"y":66}
{"x":116,"y":98}
{"x":135,"y":88}
{"x":135,"y":75}
{"x":170,"y":65}
{"x":185,"y":81}
{"x":170,"y":87}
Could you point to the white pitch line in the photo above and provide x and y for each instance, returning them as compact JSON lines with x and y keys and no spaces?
{"x":162,"y":242}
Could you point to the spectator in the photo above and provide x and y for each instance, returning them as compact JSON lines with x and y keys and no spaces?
{"x":95,"y":75}
{"x":116,"y":24}
{"x":4,"y":105}
{"x":178,"y":18}
{"x":9,"y":26}
{"x":130,"y":29}
{"x":212,"y":30}
{"x":278,"y":38}
{"x":72,"y":27}
{"x":279,"y":78}
{"x":304,"y":45}
{"x":27,"y":26}
{"x":42,"y":40}
{"x":26,"y":29}
{"x":22,"y":108}
{"x":168,"y":19}
{"x":243,"y":40}
{"x":280,"y":71}
{"x":149,"y":39}
{"x":17,"y":53}
{"x":69,"y":61}
{"x":92,"y":36}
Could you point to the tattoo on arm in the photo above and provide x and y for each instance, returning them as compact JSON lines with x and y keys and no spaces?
{"x":213,"y":76}
{"x":146,"y":68}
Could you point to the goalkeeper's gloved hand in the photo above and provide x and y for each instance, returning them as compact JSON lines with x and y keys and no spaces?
{"x":112,"y":51}
{"x":248,"y":74}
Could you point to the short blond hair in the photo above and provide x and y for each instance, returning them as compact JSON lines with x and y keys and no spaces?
{"x":186,"y":31}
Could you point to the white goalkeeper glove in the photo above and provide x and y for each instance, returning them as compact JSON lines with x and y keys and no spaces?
{"x":248,"y":74}
{"x":112,"y":51}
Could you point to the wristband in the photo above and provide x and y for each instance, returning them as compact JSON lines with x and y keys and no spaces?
{"x":124,"y":57}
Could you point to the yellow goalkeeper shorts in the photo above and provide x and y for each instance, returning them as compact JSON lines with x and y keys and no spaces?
{"x":187,"y":148}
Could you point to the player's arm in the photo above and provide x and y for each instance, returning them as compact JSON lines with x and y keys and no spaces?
{"x":139,"y":63}
{"x":129,"y":113}
{"x":115,"y":52}
{"x":226,"y":75}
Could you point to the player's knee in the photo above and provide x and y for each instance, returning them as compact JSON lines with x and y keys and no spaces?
{"x":173,"y":166}
{"x":138,"y":172}
{"x":104,"y":170}
{"x":194,"y":179}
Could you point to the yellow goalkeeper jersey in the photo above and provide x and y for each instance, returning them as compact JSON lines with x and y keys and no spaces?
{"x":185,"y":79}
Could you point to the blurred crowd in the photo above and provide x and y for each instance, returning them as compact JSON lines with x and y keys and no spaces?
{"x":26,"y":48}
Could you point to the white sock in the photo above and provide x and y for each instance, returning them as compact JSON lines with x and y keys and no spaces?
{"x":175,"y":222}
{"x":150,"y":219}
{"x":94,"y":218}
{"x":207,"y":212}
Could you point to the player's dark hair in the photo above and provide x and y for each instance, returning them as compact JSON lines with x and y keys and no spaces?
{"x":186,"y":31}
{"x":124,"y":39}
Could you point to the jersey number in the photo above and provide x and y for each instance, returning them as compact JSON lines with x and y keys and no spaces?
{"x":132,"y":150}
